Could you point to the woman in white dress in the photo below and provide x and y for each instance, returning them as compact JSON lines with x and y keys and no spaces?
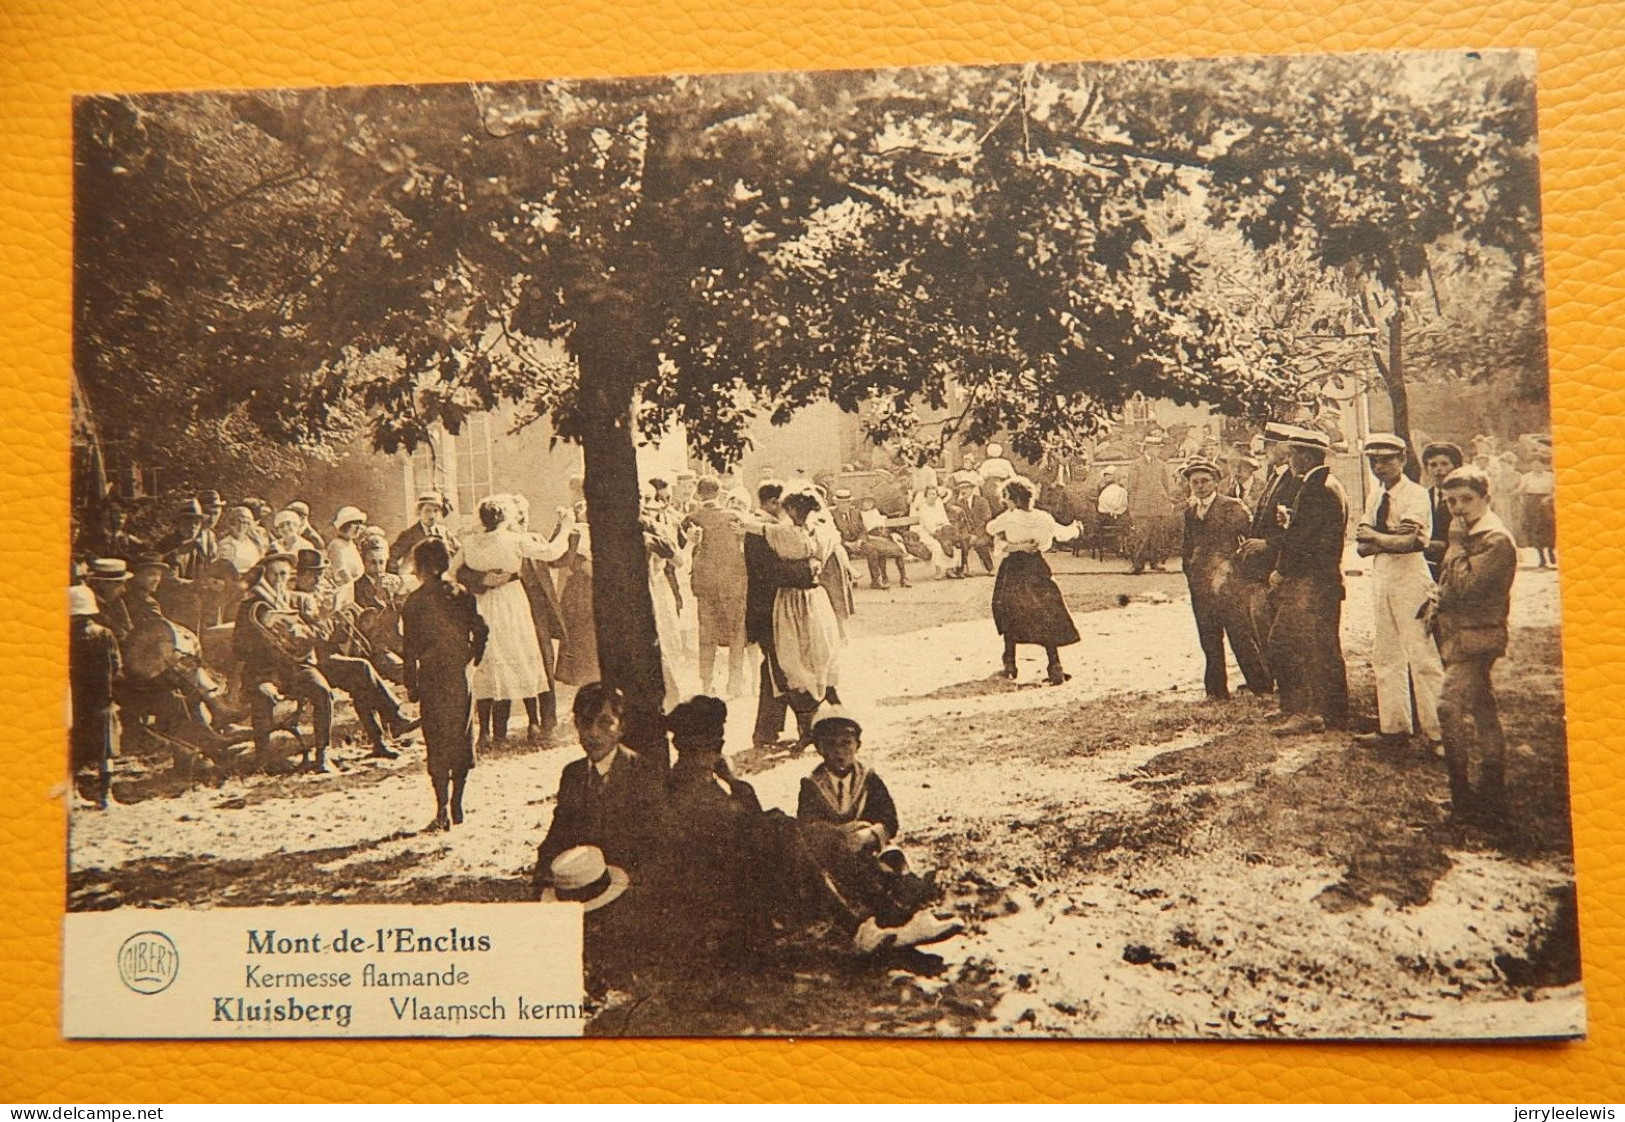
{"x":344,"y":565}
{"x":930,"y":516}
{"x":512,"y":668}
{"x":679,"y":675}
{"x":1027,"y":604}
{"x":806,"y":635}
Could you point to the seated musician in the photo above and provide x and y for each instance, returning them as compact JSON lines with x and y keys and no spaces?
{"x":341,"y":656}
{"x":278,"y":651}
{"x":379,"y":595}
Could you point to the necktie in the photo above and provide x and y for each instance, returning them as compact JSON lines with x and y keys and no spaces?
{"x":1382,"y":513}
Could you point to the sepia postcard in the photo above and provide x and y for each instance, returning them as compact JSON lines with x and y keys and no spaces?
{"x":1056,"y":550}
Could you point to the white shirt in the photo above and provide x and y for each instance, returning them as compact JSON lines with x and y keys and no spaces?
{"x":1201,"y":507}
{"x":996,"y":468}
{"x":1036,"y":526}
{"x":1113,"y":499}
{"x":1408,"y":503}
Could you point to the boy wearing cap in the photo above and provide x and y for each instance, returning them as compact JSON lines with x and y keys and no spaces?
{"x":433,"y":508}
{"x":1470,"y":618}
{"x":1214,"y":525}
{"x":1394,"y":532}
{"x":1305,"y":644}
{"x":93,"y":663}
{"x":848,"y":819}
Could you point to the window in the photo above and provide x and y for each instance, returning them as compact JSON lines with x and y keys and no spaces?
{"x":472,"y":448}
{"x":458,"y":466}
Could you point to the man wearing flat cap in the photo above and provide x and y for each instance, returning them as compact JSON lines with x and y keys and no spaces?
{"x":1305,"y":644}
{"x":1394,"y":533}
{"x":1214,"y":526}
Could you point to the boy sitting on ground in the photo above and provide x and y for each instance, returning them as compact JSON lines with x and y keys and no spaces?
{"x":848,"y":819}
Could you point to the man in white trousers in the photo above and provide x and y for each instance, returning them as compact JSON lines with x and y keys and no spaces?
{"x":1393,"y":532}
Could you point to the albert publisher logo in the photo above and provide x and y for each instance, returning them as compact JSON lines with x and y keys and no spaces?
{"x":148,"y":962}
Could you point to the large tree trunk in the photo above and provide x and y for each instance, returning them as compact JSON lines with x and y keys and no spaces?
{"x":628,"y":649}
{"x":1394,"y":376}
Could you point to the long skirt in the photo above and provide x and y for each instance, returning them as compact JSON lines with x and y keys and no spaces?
{"x":448,"y":727}
{"x":578,"y":653}
{"x":679,"y":675}
{"x":1027,"y":605}
{"x":512,"y":667}
{"x":1539,"y":522}
{"x":806,"y":640}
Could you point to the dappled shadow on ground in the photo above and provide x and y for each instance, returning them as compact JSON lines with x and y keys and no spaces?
{"x":800,"y":988}
{"x":275,"y":878}
{"x":993,"y":685}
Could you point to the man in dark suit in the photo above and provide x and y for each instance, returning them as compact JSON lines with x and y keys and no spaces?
{"x":1305,"y":642}
{"x":1438,"y":461}
{"x":1255,"y":557}
{"x":848,"y":521}
{"x":433,"y":508}
{"x":612,"y":799}
{"x":1214,"y":526}
{"x":765,"y":574}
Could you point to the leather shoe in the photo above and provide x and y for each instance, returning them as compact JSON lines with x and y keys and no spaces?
{"x":1300,"y":723}
{"x":1382,"y":740}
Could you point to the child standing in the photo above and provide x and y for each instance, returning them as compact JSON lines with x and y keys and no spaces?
{"x":442,"y":634}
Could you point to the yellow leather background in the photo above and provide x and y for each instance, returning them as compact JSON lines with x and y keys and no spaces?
{"x":50,"y":49}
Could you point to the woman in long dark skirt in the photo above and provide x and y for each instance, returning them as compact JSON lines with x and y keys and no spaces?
{"x":1027,"y":605}
{"x":442,"y":634}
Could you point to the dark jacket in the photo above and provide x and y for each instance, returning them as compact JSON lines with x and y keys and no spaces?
{"x":1283,"y":491}
{"x":849,"y":523}
{"x":622,"y":817}
{"x":1312,"y":545}
{"x":1439,"y":532}
{"x":400,"y":550}
{"x":1211,"y":542}
{"x":1475,"y":590}
{"x":873,"y":803}
{"x":765,"y":573}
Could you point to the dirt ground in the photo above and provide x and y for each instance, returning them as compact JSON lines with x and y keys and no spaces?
{"x":1130,"y":860}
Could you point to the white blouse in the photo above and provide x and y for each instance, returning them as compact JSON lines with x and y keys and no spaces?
{"x":1037,"y":527}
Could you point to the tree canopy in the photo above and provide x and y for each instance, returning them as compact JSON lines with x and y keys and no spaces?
{"x":1038,"y":242}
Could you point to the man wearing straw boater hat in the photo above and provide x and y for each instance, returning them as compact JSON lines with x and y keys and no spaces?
{"x":278,"y":653}
{"x":93,"y":663}
{"x":1214,"y":525}
{"x":1255,"y":558}
{"x":109,"y":580}
{"x":1305,"y":645}
{"x":433,"y":508}
{"x":1394,"y":532}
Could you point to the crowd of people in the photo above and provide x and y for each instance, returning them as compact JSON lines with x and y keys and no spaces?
{"x":1267,"y":575}
{"x":245,"y":622}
